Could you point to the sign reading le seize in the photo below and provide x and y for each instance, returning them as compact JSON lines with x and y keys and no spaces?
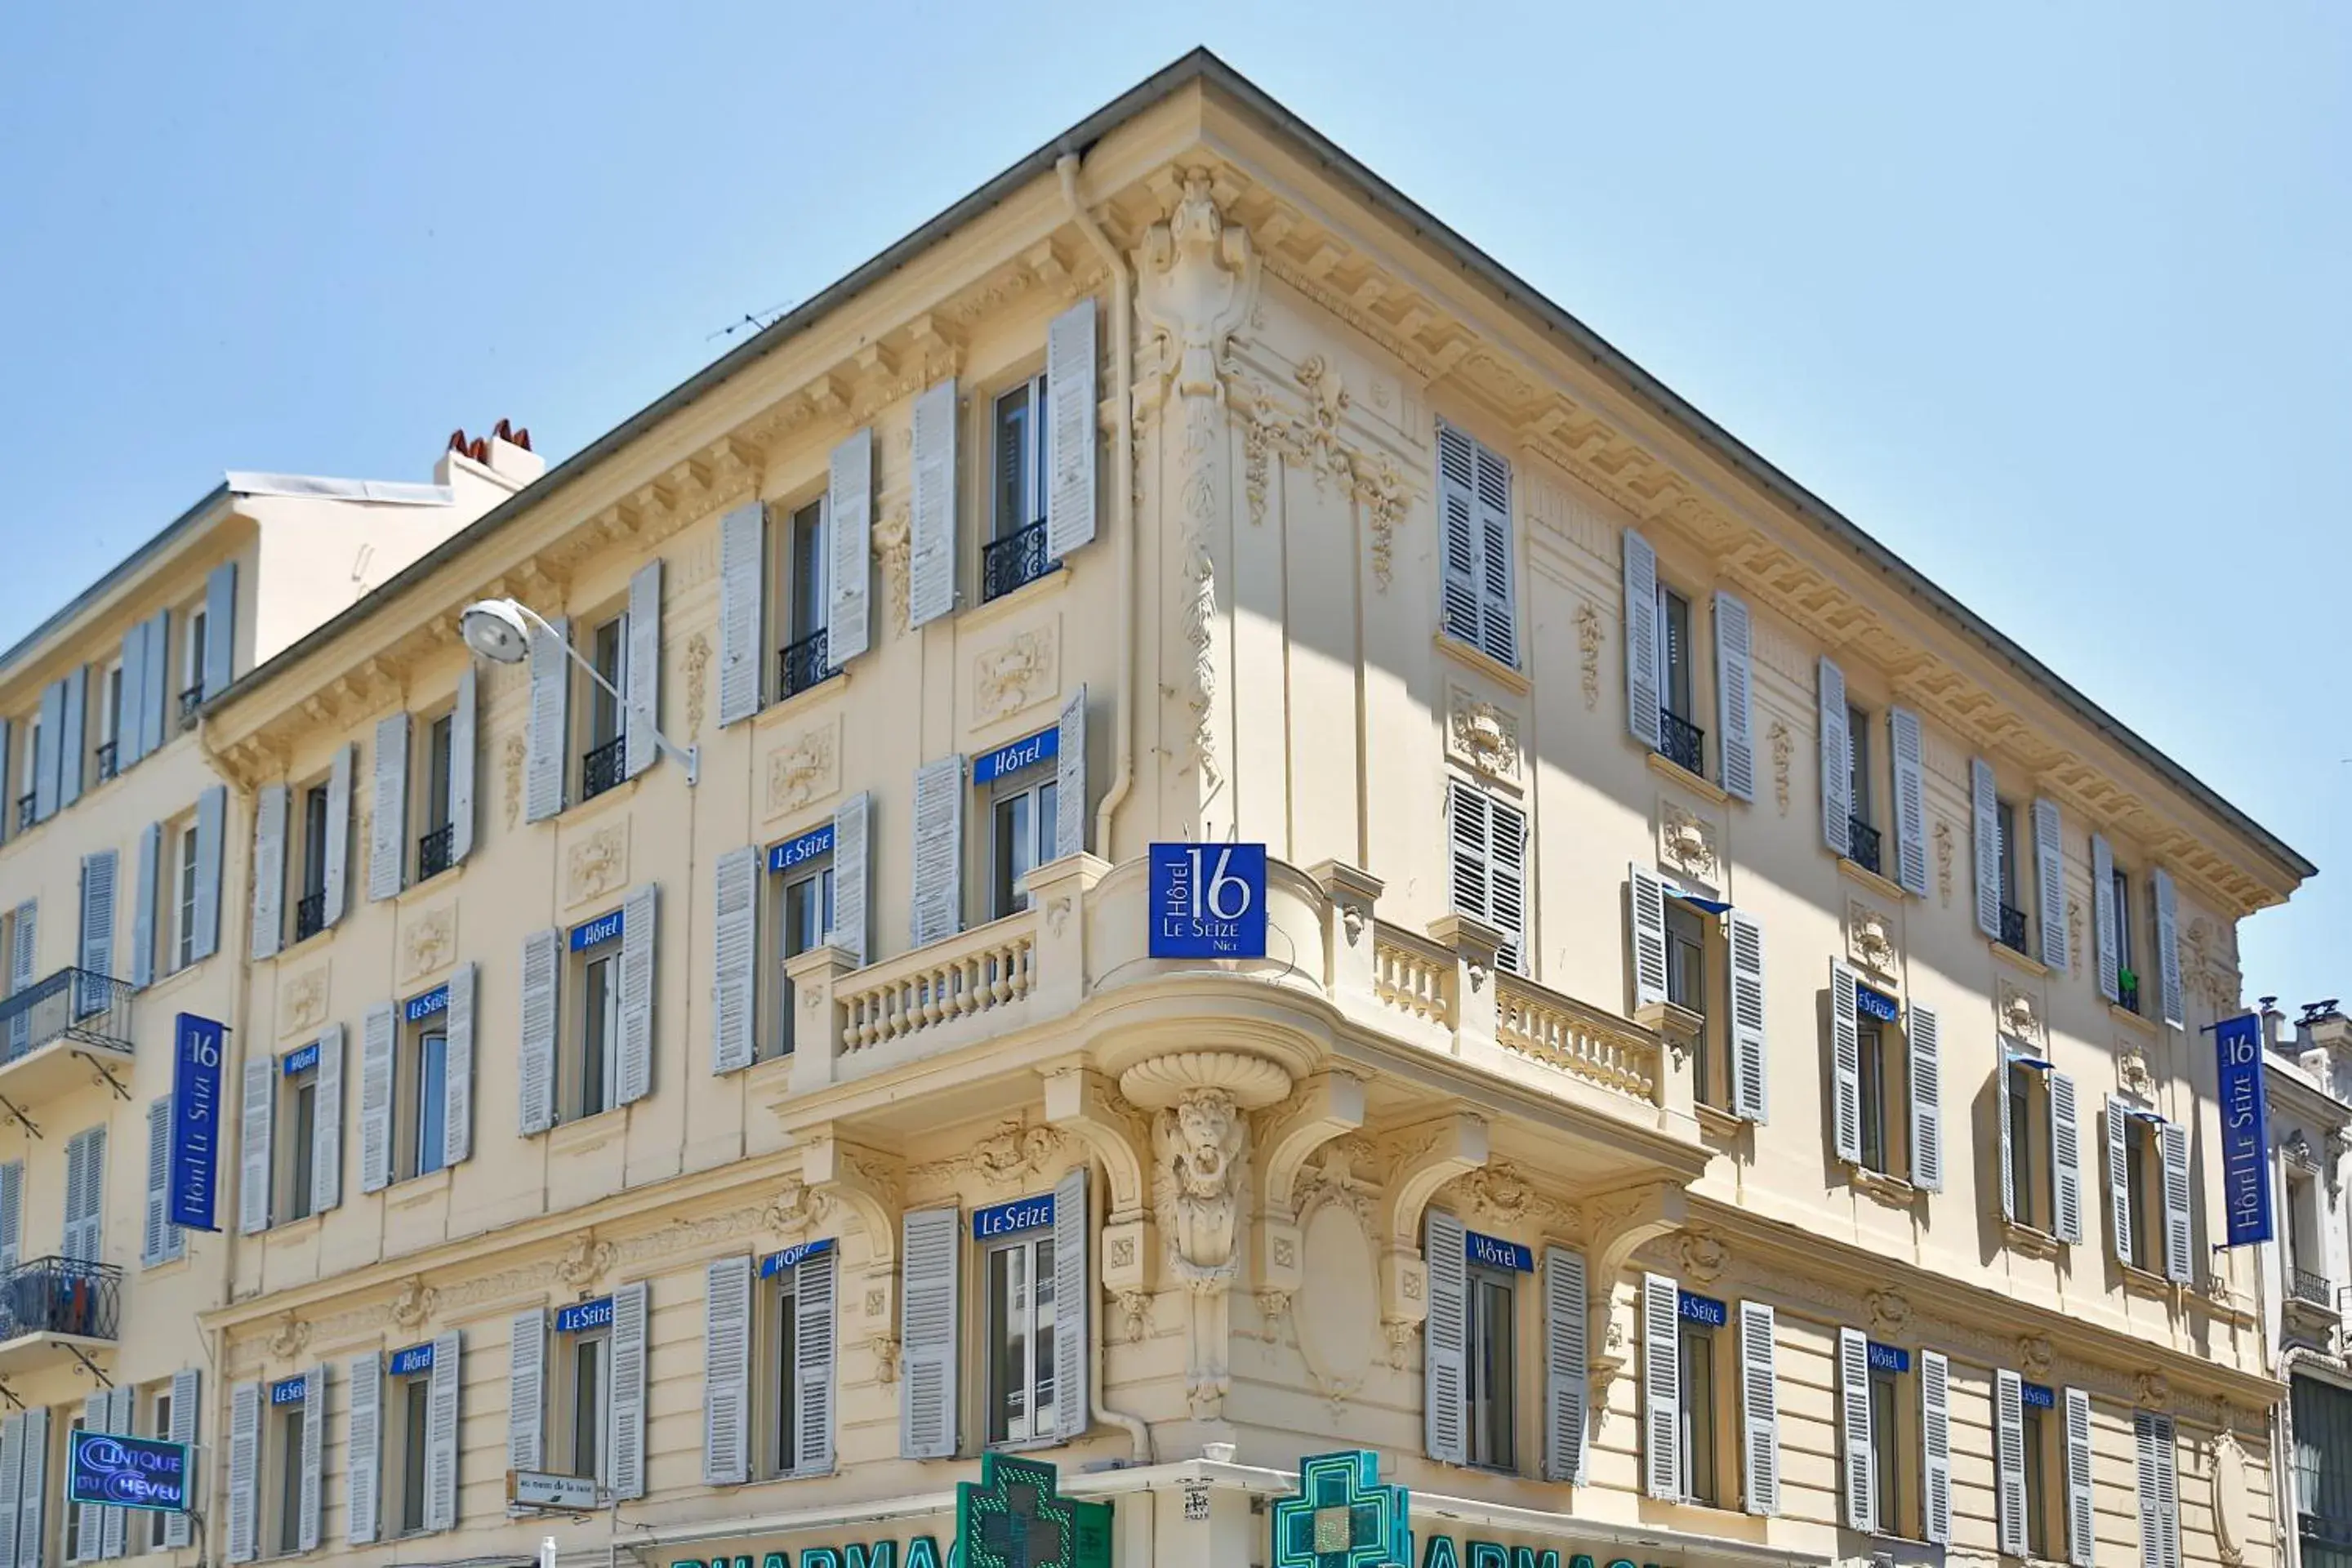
{"x":1208,"y":900}
{"x":196,"y":1050}
{"x":127,"y":1472}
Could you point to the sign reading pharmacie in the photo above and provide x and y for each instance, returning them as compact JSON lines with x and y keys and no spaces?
{"x":1342,"y":1516}
{"x":127,"y":1472}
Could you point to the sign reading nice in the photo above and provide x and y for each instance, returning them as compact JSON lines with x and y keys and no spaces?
{"x":1208,"y":900}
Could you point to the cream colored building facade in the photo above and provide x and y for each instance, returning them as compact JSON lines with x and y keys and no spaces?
{"x":1721,"y":995}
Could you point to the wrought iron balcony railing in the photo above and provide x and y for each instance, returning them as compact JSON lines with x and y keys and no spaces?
{"x":1018,"y":558}
{"x":2311,"y":1289}
{"x":432,"y":850}
{"x":2013,"y":928}
{"x":803,"y":664}
{"x":309,"y":915}
{"x":1683,"y":743}
{"x":72,"y":1003}
{"x":26,"y":805}
{"x":601,"y":767}
{"x":1863,"y":843}
{"x":62,"y":1296}
{"x":2127,"y":991}
{"x":103,"y":756}
{"x":192,"y":702}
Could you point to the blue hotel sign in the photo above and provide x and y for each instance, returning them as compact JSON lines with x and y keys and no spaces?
{"x":411,"y":1360}
{"x":417,"y":1009}
{"x":1493,"y":1252}
{"x":295,"y":1063}
{"x":127,"y":1472}
{"x":197,"y":1045}
{"x":775,"y":1263}
{"x":1889,"y":1358}
{"x":1693,"y":1307}
{"x":291,"y":1390}
{"x":596,"y":933}
{"x":1208,"y":900}
{"x":2245,"y":1134}
{"x":584,"y":1315}
{"x":1011,"y":1219}
{"x":1044,"y":746}
{"x":792,"y":852}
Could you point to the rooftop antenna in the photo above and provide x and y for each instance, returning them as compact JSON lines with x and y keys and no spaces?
{"x":359,"y":572}
{"x":752,"y":321}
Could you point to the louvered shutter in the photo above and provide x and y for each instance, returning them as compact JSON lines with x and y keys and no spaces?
{"x":388,"y":826}
{"x":1446,"y":1351}
{"x":1744,"y":934}
{"x":1070,"y":435}
{"x":1860,"y":1467}
{"x":220,"y":629}
{"x":1507,"y":883}
{"x":2050,"y":882}
{"x":1467,"y":825}
{"x":2002,"y":1091}
{"x":142,"y":906}
{"x":23,"y":954}
{"x":212,"y":828}
{"x":2180,"y":1260}
{"x":1662,"y":1385}
{"x":742,"y":542}
{"x":1567,"y":1365}
{"x":639,"y":915}
{"x":2082,"y":1521}
{"x":550,"y":721}
{"x":1734,"y":699}
{"x":1837,"y":761}
{"x":179,"y":1528}
{"x":130,"y":713}
{"x":1984,"y":806}
{"x":98,"y":880}
{"x":268,"y":868}
{"x":931,"y":1244}
{"x":2118,"y":1142}
{"x":735,"y":956}
{"x":815,"y":1326}
{"x":72,"y":742}
{"x":1646,"y":906}
{"x":526,"y":1391}
{"x":1070,"y":779}
{"x":255,"y":1110}
{"x":931,"y":549}
{"x":364,"y":1448}
{"x":641,"y":679}
{"x":1935,"y":1443}
{"x":314,"y":1431}
{"x":31,"y":1512}
{"x":1759,"y":1406}
{"x":96,"y":1409}
{"x":84,"y":1236}
{"x":2160,"y":1496}
{"x":849,"y":539}
{"x":462,"y":764}
{"x":2103,"y":918}
{"x":326,"y":1150}
{"x":12,"y":1491}
{"x":1922,"y":1034}
{"x":458,"y":1069}
{"x":244,"y":1469}
{"x":1498,"y":633}
{"x":157,"y":707}
{"x":726,"y":1372}
{"x":1457,"y":479}
{"x":441,"y":1434}
{"x":2066,"y":1162}
{"x":1909,"y":758}
{"x":853,"y":875}
{"x":339,"y":831}
{"x":12,"y":1223}
{"x":542,"y":956}
{"x":51,"y":726}
{"x":626,"y":1410}
{"x":1073,"y":1304}
{"x":376,"y":1044}
{"x":1846,"y":1062}
{"x":122,"y":1420}
{"x":939,"y":851}
{"x":2009,"y":1460}
{"x":2167,"y":947}
{"x":161,"y":1241}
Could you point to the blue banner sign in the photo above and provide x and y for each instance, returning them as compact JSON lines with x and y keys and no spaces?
{"x":584,"y":1315}
{"x":775,"y":1263}
{"x":1026,"y":752}
{"x":1493,"y":1252}
{"x":411,"y":1360}
{"x":1208,"y":900}
{"x":1693,"y":1307}
{"x":596,"y":933}
{"x":1011,"y":1219}
{"x":289,"y":1389}
{"x":417,"y":1009}
{"x":1889,"y":1358}
{"x":127,"y":1472}
{"x":2246,"y":1131}
{"x":816,"y":841}
{"x":2040,"y":1395}
{"x":1874,"y":1004}
{"x":301,"y":1060}
{"x":196,"y":1047}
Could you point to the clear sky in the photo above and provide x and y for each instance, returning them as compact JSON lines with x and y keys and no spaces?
{"x":2054,"y":299}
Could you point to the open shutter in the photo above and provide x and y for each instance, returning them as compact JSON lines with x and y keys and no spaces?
{"x":388,"y":826}
{"x":2050,"y":882}
{"x":364,"y":1448}
{"x":931,"y":1244}
{"x":314,"y":1443}
{"x":814,"y":1332}
{"x":1733,"y":700}
{"x":742,"y":565}
{"x":1837,"y":761}
{"x":131,"y":706}
{"x":2118,"y":1141}
{"x":1507,"y":885}
{"x":122,"y":1419}
{"x":339,"y":830}
{"x":2167,"y":947}
{"x":1069,"y":780}
{"x":253,"y":1143}
{"x":2008,"y":1459}
{"x":735,"y":957}
{"x":268,"y":868}
{"x":1984,"y":806}
{"x":72,"y":755}
{"x":1567,"y":1364}
{"x":31,"y":1512}
{"x":726,"y":1371}
{"x":1759,"y":1406}
{"x":1745,"y":936}
{"x":1860,"y":1457}
{"x":24,"y":956}
{"x":1846,"y":1062}
{"x":142,"y":906}
{"x":931,"y":549}
{"x":12,"y":1491}
{"x":220,"y":629}
{"x":1643,"y":675}
{"x":2082,"y":1520}
{"x":2179,"y":1262}
{"x":89,"y":1244}
{"x":543,"y":953}
{"x":441,"y":1434}
{"x":244,"y":1469}
{"x":326,"y":1151}
{"x":179,"y":1528}
{"x":159,"y":1168}
{"x":156,"y":706}
{"x":12,"y":1220}
{"x":2066,"y":1162}
{"x":1935,"y":1443}
{"x":458,"y":1069}
{"x":1457,"y":465}
{"x":2159,"y":1498}
{"x":1498,"y":633}
{"x":212,"y":828}
{"x":641,"y":678}
{"x":853,"y":875}
{"x":526,"y":1391}
{"x":1469,"y":827}
{"x":97,"y":879}
{"x":549,"y":723}
{"x":849,"y":539}
{"x":462,"y":763}
{"x":2001,"y":1091}
{"x":52,"y":723}
{"x":638,"y":925}
{"x":89,"y":1547}
{"x":1662,"y":1385}
{"x":1070,"y":437}
{"x":939,"y":851}
{"x":1910,"y":759}
{"x":376,"y":1037}
{"x":1073,"y":1304}
{"x":2103,"y":918}
{"x":1922,"y":1033}
{"x":1646,"y":908}
{"x":1445,"y":1364}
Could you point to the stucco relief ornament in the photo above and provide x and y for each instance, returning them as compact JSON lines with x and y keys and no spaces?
{"x":1889,"y":1310}
{"x":290,"y":1339}
{"x":796,"y":1208}
{"x":1867,"y":940}
{"x":802,"y":769}
{"x":1943,"y":858}
{"x":1014,"y":674}
{"x":1781,"y":747}
{"x":430,"y":943}
{"x":412,"y":1305}
{"x":1704,"y":1257}
{"x":891,"y":534}
{"x":698,"y":682}
{"x":2034,"y":1357}
{"x":1588,"y":649}
{"x":583,"y":1261}
{"x":2152,"y":1390}
{"x":1685,"y":845}
{"x":510,"y":760}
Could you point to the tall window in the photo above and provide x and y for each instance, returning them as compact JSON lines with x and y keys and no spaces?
{"x":421,"y":1073}
{"x":314,"y":841}
{"x":109,"y":722}
{"x":2012,"y":916}
{"x":160,"y":1429}
{"x":1491,"y":1361}
{"x":2143,"y":1177}
{"x":1021,"y":834}
{"x":75,"y":1550}
{"x":585,"y":1080}
{"x":1686,"y":989}
{"x":601,"y":764}
{"x":2127,"y":953}
{"x":435,"y":843}
{"x":299,"y":1094}
{"x":1702,"y":1474}
{"x":27,"y":773}
{"x":1876,"y":1149}
{"x":2036,"y":1429}
{"x":1016,"y":552}
{"x":1674,"y":656}
{"x":183,"y":927}
{"x":2029,"y":1162}
{"x":1019,"y":1272}
{"x":805,"y":897}
{"x":784,"y":1346}
{"x":1886,"y":1445}
{"x":289,"y":1474}
{"x":415,"y":1406}
{"x":585,"y":1369}
{"x":806,"y":659}
{"x":192,"y":660}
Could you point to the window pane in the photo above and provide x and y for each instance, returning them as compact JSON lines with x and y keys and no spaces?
{"x":1857,"y":730}
{"x":1873,"y":1092}
{"x":1012,"y":462}
{"x":788,"y":1390}
{"x":298,"y":1157}
{"x":436,"y":775}
{"x":432,"y":1084}
{"x":587,"y":1406}
{"x":290,"y":1480}
{"x":412,"y":1457}
{"x":2022,"y":1089}
{"x":1698,"y":1433}
{"x":1886,"y":1446}
{"x":314,"y":842}
{"x":599,"y":1035}
{"x":1014,"y":846}
{"x":809,"y":586}
{"x":2006,"y":814}
{"x":1493,"y":1337}
{"x":1008,"y":1342}
{"x":2037,"y":1532}
{"x":1675,"y":623}
{"x":1043,"y":1416}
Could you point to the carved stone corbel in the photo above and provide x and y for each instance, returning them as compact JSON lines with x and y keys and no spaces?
{"x":1618,"y":1223}
{"x":1427,"y":1157}
{"x":868,"y":1184}
{"x":1324,"y":1107}
{"x":1082,"y":1103}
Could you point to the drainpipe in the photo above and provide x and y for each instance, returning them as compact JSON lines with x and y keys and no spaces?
{"x":1137,"y":1431}
{"x":1122,"y":462}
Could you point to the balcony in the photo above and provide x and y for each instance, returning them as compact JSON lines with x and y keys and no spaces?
{"x":1862,"y":845}
{"x":602,"y":767}
{"x":103,"y":758}
{"x":58,"y":1309}
{"x":433,"y":851}
{"x":1017,"y":559}
{"x":192,"y":702}
{"x":26,"y":805}
{"x":803,"y":664}
{"x":1683,"y":743}
{"x":2012,"y":929}
{"x":309,"y":915}
{"x":55,"y":1030}
{"x":2308,"y":1289}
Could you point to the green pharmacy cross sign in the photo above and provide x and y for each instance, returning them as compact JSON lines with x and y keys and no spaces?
{"x":1015,"y":1516}
{"x":1343,"y":1517}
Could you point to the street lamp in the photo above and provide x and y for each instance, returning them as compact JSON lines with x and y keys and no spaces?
{"x":501,"y":630}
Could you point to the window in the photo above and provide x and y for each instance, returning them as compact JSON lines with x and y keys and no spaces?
{"x":421,"y":1085}
{"x":289,"y":1419}
{"x":586,"y":1372}
{"x":2028,"y":1164}
{"x":109,"y":722}
{"x":1888,"y":1418}
{"x":26,"y":773}
{"x":160,"y":1429}
{"x":2013,"y":914}
{"x":2041,"y":1147}
{"x":586,"y":1073}
{"x":1016,"y":552}
{"x":1881,"y":1108}
{"x":806,"y":659}
{"x":435,"y":846}
{"x":1857,"y":730}
{"x":601,"y":765}
{"x":2142,"y":1165}
{"x":412,"y":1403}
{"x":310,"y":911}
{"x":790,"y":1421}
{"x":1491,"y":1361}
{"x":2127,"y":953}
{"x":1019,"y":1272}
{"x":1490,"y":843}
{"x":803,"y":919}
{"x":1474,"y":497}
{"x":183,"y":904}
{"x":192,"y":663}
{"x":1702,"y":1474}
{"x":74,"y":1551}
{"x":299,"y":1114}
{"x":784,"y":1452}
{"x":1686,"y":987}
{"x":2038,"y":1432}
{"x":1021,"y":838}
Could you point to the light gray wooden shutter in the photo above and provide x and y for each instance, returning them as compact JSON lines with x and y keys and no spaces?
{"x":1566,"y":1367}
{"x":129,"y":713}
{"x":2066,"y":1162}
{"x":98,"y":880}
{"x":161,"y":1241}
{"x":1070,"y":779}
{"x":244,"y":1469}
{"x":2167,"y":947}
{"x":1984,"y":806}
{"x":853,"y":875}
{"x":2179,"y":1261}
{"x":1922,"y":1033}
{"x":526,"y":1391}
{"x":542,"y":953}
{"x":726,"y":1372}
{"x":31,"y":1513}
{"x":46,"y":747}
{"x":742,"y":540}
{"x":441,"y":1434}
{"x":1733,"y":694}
{"x":255,"y":1111}
{"x":638,"y":928}
{"x":12,"y":1222}
{"x":931,"y":550}
{"x":1837,"y":761}
{"x":314,"y":1445}
{"x":1744,"y":934}
{"x":2118,"y":1142}
{"x":73,"y":745}
{"x":1859,"y":1458}
{"x":939,"y":851}
{"x":2050,"y":882}
{"x":735,"y":957}
{"x":339,"y":830}
{"x":814,"y":1330}
{"x":388,"y":826}
{"x":2082,"y":1519}
{"x":1457,"y":465}
{"x":142,"y":906}
{"x":2008,"y":1459}
{"x":2002,"y":1092}
{"x":641,"y":679}
{"x":2159,"y":1497}
{"x":1908,"y":752}
{"x":376,"y":1045}
{"x":1935,"y":1443}
{"x":462,"y":764}
{"x":1499,"y":634}
{"x":220,"y":629}
{"x":1507,"y":883}
{"x":85,"y":1235}
{"x":157,"y":707}
{"x":363,"y":1448}
{"x":2103,"y":918}
{"x":179,"y":1528}
{"x":212,"y":836}
{"x":849,"y":541}
{"x":1846,"y":1062}
{"x":1759,"y":1405}
{"x":268,"y":868}
{"x":1070,"y":432}
{"x":1646,"y":906}
{"x":1073,"y":1304}
{"x":97,"y":1410}
{"x":930,"y":1318}
{"x":1662,"y":1388}
{"x":458,"y":1069}
{"x":625,"y":1438}
{"x":24,"y":953}
{"x":12,"y":1491}
{"x":326,"y":1151}
{"x":548,"y":725}
{"x":1446,"y":1348}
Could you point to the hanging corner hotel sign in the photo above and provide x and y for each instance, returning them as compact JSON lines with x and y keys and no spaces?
{"x":1208,"y":900}
{"x":196,"y":1050}
{"x":2245,"y":1132}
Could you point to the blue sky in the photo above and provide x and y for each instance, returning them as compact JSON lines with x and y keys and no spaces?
{"x":2054,"y":300}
